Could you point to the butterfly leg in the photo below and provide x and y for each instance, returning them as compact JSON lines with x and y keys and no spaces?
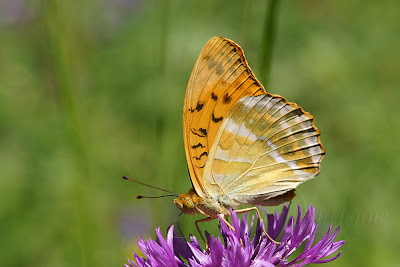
{"x":207,"y":219}
{"x":227,"y":223}
{"x":230,"y":226}
{"x":175,"y":220}
{"x":259,"y":217}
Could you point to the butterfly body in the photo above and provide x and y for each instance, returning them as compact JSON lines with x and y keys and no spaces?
{"x":191,"y":203}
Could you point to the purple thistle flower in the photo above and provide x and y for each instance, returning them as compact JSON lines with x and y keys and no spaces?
{"x":239,"y":248}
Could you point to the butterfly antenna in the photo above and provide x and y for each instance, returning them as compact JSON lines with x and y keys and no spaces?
{"x":138,"y":197}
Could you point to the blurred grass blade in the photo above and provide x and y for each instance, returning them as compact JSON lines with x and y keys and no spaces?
{"x":268,"y":39}
{"x":59,"y":48}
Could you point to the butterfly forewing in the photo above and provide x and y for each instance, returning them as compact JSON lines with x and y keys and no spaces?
{"x":220,"y":78}
{"x":265,"y":147}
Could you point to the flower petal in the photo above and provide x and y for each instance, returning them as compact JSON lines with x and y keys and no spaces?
{"x":234,"y":248}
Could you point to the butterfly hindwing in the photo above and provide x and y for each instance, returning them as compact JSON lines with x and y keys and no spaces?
{"x":265,"y":147}
{"x":220,"y":78}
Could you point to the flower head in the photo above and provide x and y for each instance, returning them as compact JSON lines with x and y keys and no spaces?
{"x":241,"y":248}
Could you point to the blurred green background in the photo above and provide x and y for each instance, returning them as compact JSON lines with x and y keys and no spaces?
{"x":93,"y":90}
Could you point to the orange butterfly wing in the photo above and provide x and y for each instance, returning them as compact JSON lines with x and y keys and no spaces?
{"x":221,"y":77}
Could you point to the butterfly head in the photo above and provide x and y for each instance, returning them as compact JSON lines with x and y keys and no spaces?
{"x":187,"y":202}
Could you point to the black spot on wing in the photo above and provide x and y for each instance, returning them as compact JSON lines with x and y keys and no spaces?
{"x":200,"y":132}
{"x":198,"y":145}
{"x":199,"y":106}
{"x":218,"y":119}
{"x":214,"y":97}
{"x":227,"y":99}
{"x":203,"y":131}
{"x":202,"y":154}
{"x":191,"y":110}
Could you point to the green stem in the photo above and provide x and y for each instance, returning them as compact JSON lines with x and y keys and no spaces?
{"x":165,"y":13}
{"x":268,"y":41}
{"x":58,"y":44}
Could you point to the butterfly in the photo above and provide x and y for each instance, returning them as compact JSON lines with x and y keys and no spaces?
{"x":243,"y":146}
